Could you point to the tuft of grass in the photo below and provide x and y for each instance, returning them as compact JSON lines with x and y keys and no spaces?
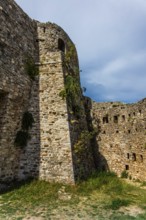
{"x":143,"y":183}
{"x":141,"y":217}
{"x":104,"y":181}
{"x":117,"y":203}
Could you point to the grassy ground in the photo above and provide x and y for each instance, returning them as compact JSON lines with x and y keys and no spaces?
{"x":103,"y":197}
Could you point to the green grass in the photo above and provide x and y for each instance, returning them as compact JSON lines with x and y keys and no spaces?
{"x":117,"y":203}
{"x":101,"y":196}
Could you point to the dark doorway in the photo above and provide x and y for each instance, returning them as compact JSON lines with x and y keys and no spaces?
{"x":61,"y":45}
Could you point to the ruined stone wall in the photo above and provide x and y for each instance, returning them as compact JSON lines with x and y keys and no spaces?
{"x":58,"y":148}
{"x":17,"y":40}
{"x":50,"y":153}
{"x":121,"y":139}
{"x":62,"y":146}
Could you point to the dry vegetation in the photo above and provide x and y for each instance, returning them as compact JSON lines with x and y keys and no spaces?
{"x":103,"y":197}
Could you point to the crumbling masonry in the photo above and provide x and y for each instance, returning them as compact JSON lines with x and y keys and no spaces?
{"x":121,"y":137}
{"x":71,"y":136}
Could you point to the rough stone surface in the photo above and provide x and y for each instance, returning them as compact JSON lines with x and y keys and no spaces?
{"x":71,"y":135}
{"x":121,"y":139}
{"x":50,"y":153}
{"x":16,"y":41}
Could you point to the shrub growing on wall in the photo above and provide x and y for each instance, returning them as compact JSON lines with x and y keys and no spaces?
{"x":30,"y":67}
{"x":71,"y":92}
{"x":21,"y":138}
{"x":27,"y":121}
{"x":23,"y":135}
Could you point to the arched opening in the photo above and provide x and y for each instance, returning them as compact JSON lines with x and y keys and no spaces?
{"x":61,"y":45}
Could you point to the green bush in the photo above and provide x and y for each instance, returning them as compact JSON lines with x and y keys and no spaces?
{"x":22,"y":138}
{"x":23,"y":135}
{"x":76,"y":110}
{"x":27,"y":121}
{"x":107,"y":181}
{"x":117,"y":203}
{"x":31,"y":68}
{"x":124,"y":174}
{"x":62,"y":94}
{"x":72,"y":92}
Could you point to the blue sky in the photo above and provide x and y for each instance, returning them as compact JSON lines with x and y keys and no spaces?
{"x":110,"y":36}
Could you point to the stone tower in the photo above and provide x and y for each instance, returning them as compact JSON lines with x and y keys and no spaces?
{"x":59,"y":148}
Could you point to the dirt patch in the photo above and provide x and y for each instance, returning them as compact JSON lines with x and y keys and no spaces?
{"x":33,"y":218}
{"x":132,"y":210}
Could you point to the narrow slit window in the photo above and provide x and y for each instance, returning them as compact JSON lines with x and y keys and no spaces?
{"x":44,"y":29}
{"x":116,"y":119}
{"x":134,"y":157}
{"x":126,"y":167}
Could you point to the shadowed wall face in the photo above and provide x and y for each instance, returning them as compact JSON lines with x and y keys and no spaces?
{"x":3,"y":106}
{"x":16,"y":42}
{"x":3,"y":120}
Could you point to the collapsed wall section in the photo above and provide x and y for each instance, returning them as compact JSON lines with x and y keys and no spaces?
{"x":121,"y":137}
{"x":17,"y":40}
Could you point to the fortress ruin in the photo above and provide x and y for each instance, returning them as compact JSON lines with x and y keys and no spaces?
{"x":48,"y":129}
